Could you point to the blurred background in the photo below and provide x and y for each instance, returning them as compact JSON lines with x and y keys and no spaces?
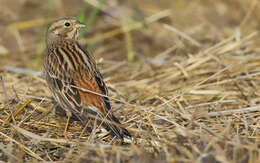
{"x":127,"y":30}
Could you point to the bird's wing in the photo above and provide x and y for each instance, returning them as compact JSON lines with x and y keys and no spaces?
{"x":95,"y":76}
{"x":93,"y":81}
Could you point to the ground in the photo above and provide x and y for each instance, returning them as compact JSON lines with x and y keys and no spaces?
{"x":183,"y":78}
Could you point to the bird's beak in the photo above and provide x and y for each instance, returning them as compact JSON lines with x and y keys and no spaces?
{"x":80,"y":25}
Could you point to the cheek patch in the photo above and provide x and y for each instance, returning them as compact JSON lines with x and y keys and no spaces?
{"x":56,"y":32}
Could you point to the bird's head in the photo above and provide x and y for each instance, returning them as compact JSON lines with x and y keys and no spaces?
{"x":64,"y":28}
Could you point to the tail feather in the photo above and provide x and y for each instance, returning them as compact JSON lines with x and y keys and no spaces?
{"x":116,"y":130}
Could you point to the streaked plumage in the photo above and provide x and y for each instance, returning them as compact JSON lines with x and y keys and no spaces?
{"x":70,"y":71}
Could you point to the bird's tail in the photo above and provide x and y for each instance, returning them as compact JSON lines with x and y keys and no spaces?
{"x":115,"y":128}
{"x":111,"y":123}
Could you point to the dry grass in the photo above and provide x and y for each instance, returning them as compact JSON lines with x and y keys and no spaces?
{"x":191,"y":93}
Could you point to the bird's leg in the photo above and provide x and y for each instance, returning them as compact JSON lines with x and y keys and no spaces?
{"x":67,"y":123}
{"x":55,"y":104}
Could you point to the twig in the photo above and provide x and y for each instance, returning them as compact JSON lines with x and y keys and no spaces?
{"x":235,"y":111}
{"x":23,"y":71}
{"x":35,"y":97}
{"x":6,"y":98}
{"x":197,"y":85}
{"x":182,"y":34}
{"x":27,"y":150}
{"x":40,"y":138}
{"x":35,"y":108}
{"x":210,"y":103}
{"x":3,"y":86}
{"x":17,"y":112}
{"x":44,"y":111}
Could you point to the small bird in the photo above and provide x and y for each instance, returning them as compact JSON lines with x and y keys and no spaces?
{"x":74,"y":79}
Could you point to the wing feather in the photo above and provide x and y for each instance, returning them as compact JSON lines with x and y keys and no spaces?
{"x":61,"y":83}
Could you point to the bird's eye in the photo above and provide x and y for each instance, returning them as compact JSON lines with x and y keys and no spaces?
{"x":67,"y":24}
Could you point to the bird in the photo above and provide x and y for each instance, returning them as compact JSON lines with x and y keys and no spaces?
{"x":74,"y":79}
